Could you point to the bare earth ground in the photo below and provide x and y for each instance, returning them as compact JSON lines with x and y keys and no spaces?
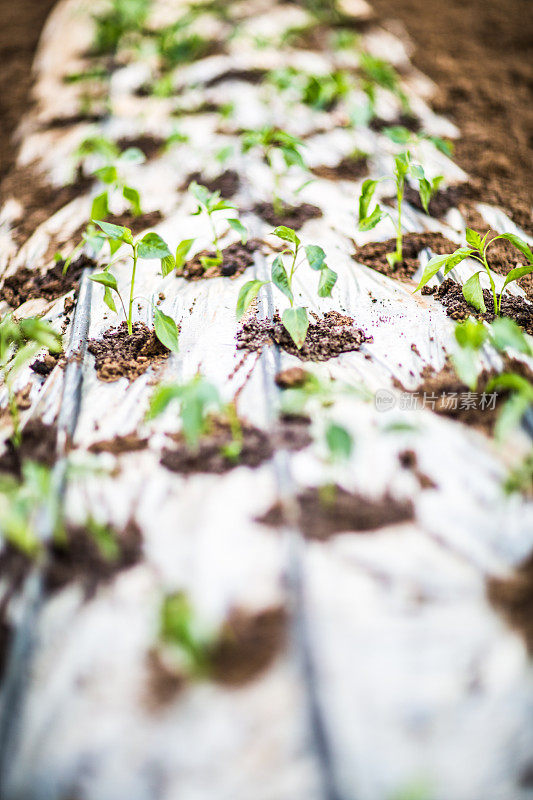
{"x":480,"y":53}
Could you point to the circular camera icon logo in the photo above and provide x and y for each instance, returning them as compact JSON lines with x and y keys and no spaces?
{"x":384,"y":400}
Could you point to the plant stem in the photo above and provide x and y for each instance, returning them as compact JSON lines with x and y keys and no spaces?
{"x":15,"y":417}
{"x":399,"y":195}
{"x":215,"y":237}
{"x":493,"y":288}
{"x":130,"y":326}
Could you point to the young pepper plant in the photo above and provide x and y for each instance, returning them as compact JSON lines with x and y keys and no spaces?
{"x":198,"y":401}
{"x":275,"y":145}
{"x":151,"y":245}
{"x":477,"y":248}
{"x":209,"y":203}
{"x":403,"y":167}
{"x":294,"y":318}
{"x":21,"y":501}
{"x":20,"y":341}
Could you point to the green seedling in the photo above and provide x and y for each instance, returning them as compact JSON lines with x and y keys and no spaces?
{"x":406,"y":138}
{"x":123,"y":17}
{"x":151,"y":245}
{"x":520,"y":478}
{"x":403,"y":167}
{"x":321,"y":92}
{"x":20,"y":341}
{"x":275,"y":145}
{"x":378,"y":72}
{"x":176,"y":137}
{"x":210,"y":204}
{"x":181,"y":631}
{"x":21,"y":504}
{"x":294,"y":319}
{"x":198,"y":402}
{"x":110,"y":173}
{"x":476,"y":249}
{"x":520,"y":400}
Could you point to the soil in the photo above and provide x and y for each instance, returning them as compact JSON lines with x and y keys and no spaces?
{"x":450,"y":295}
{"x":480,"y":54}
{"x":374,"y":254}
{"x":22,"y":23}
{"x":513,"y":598}
{"x":247,"y":646}
{"x":322,"y":513}
{"x":227,"y":183}
{"x":38,"y":443}
{"x":257,"y":446}
{"x":409,"y":461}
{"x":402,"y":120}
{"x":236,"y":258}
{"x":440,"y":203}
{"x":27,"y":284}
{"x":255,"y":75}
{"x":39,"y":198}
{"x":349,"y":169}
{"x":150,"y":145}
{"x":44,"y":366}
{"x":129,"y":443}
{"x":291,"y":378}
{"x":438,"y":386}
{"x":74,"y":119}
{"x":326,"y":338}
{"x":119,"y":355}
{"x":78,"y":559}
{"x":292,"y":216}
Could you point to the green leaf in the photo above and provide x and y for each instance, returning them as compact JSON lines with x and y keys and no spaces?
{"x":152,"y":246}
{"x":511,"y":415}
{"x":237,"y":225}
{"x":471,"y":333}
{"x":398,"y":134}
{"x":108,"y":299}
{"x":247,"y":295}
{"x":161,"y":399}
{"x":166,"y":330}
{"x":100,"y":206}
{"x":371,"y":221}
{"x":456,"y":258}
{"x":442,"y":262}
{"x":106,"y":279}
{"x":473,"y":293}
{"x":474,"y":239}
{"x":280,"y":278}
{"x":167,"y":265}
{"x":296,"y":322}
{"x":210,"y":261}
{"x":115,"y":231}
{"x":517,"y":273}
{"x":106,"y":174}
{"x":467,"y":365}
{"x":519,"y":244}
{"x":287,"y":234}
{"x":133,"y":155}
{"x":367,"y":192}
{"x":339,"y":441}
{"x":328,"y":279}
{"x":134,"y":199}
{"x":315,"y":256}
{"x":114,"y":245}
{"x":424,"y":190}
{"x":202,"y":194}
{"x":505,"y":332}
{"x":182,"y":251}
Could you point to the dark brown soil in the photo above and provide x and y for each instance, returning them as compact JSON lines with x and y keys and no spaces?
{"x":236,"y":258}
{"x":349,"y":169}
{"x":322,"y":513}
{"x":129,"y":443}
{"x":136,"y":224}
{"x":227,"y":183}
{"x":448,"y":396}
{"x":119,"y":355}
{"x":451,"y":296}
{"x":480,"y":55}
{"x":247,"y":646}
{"x":78,"y":559}
{"x":150,"y":145}
{"x":38,"y":198}
{"x":255,"y":75}
{"x":374,"y":254}
{"x":291,"y":378}
{"x":326,"y":338}
{"x":440,"y":203}
{"x":44,"y":366}
{"x":27,"y":284}
{"x":404,"y":120}
{"x":22,"y":23}
{"x":513,"y":598}
{"x":38,"y":443}
{"x":206,"y":107}
{"x":257,"y":446}
{"x":292,"y":216}
{"x":408,"y":459}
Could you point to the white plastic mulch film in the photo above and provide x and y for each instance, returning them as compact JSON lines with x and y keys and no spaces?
{"x":398,"y":678}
